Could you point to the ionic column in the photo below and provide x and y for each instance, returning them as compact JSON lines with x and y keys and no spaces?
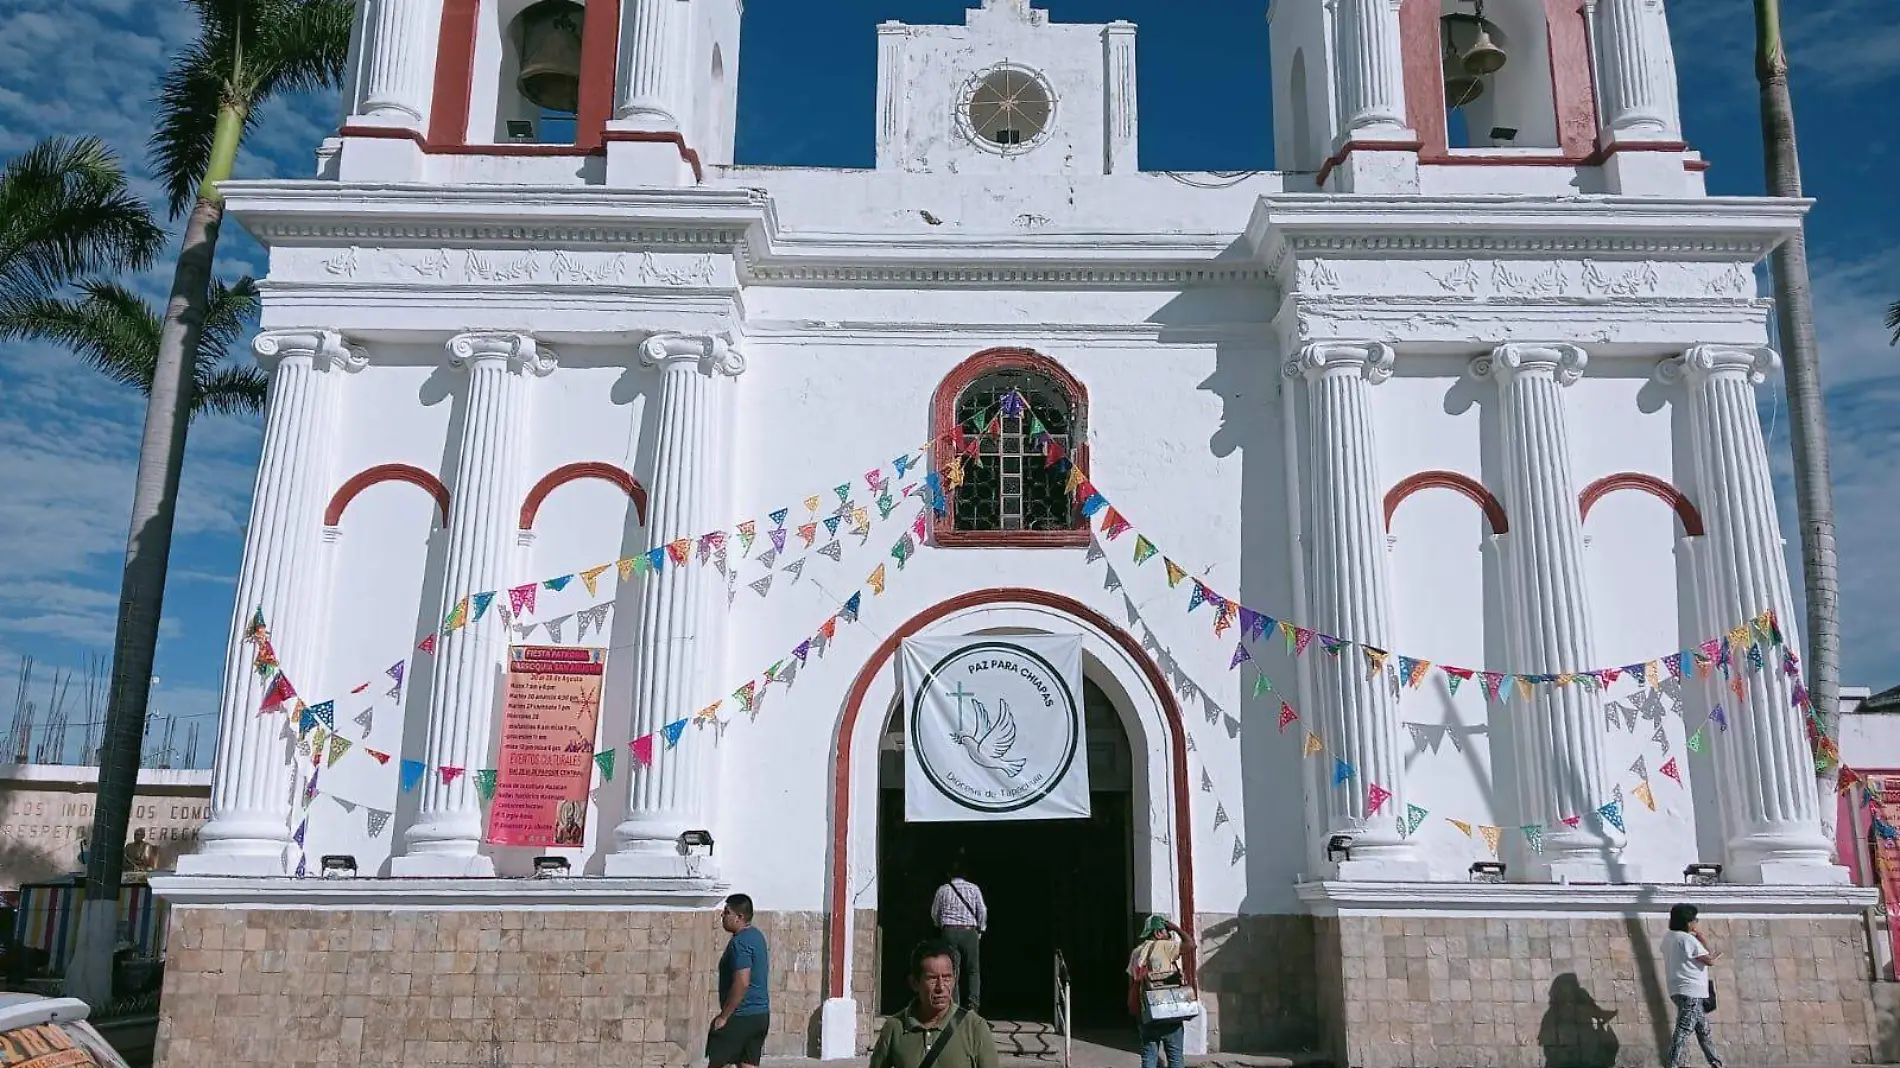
{"x":250,"y":797}
{"x":1559,"y":729}
{"x":651,"y":48}
{"x":1639,"y":96}
{"x":677,"y":655}
{"x":1371,"y":71}
{"x":399,"y":79}
{"x":1767,"y":783}
{"x":1352,"y":599}
{"x":465,"y":670}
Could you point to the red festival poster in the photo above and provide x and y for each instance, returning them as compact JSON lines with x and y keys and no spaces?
{"x":547,"y":746}
{"x":1886,"y":851}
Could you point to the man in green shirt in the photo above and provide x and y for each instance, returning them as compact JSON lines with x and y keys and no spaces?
{"x":932,"y":1019}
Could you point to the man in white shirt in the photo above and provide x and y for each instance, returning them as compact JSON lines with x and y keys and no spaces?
{"x":1686,"y":960}
{"x":958,"y":912}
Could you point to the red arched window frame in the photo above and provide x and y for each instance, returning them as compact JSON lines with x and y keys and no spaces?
{"x":1464,"y":485}
{"x":561,"y":476}
{"x":455,"y":89}
{"x":1571,"y":75}
{"x":362,"y":480}
{"x":943,"y":416}
{"x":1686,"y":513}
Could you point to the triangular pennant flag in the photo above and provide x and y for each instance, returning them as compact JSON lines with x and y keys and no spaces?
{"x":1492,"y":835}
{"x":796,"y":569}
{"x":1240,"y":850}
{"x":778,"y":540}
{"x":1199,"y":595}
{"x":1220,"y":815}
{"x":1313,"y":744}
{"x":411,"y":774}
{"x":1492,"y":682}
{"x":1341,"y":771}
{"x":1332,"y":645}
{"x":1639,"y":769}
{"x":1414,"y":816}
{"x":1673,"y":662}
{"x":1612,"y":814}
{"x":1463,"y":827}
{"x":377,"y":819}
{"x":457,"y":617}
{"x":558,"y":583}
{"x":278,"y":695}
{"x":1175,"y":575}
{"x":901,"y":551}
{"x":876,"y":581}
{"x":302,"y":828}
{"x":377,"y":755}
{"x":1144,"y":549}
{"x":1661,"y":737}
{"x":627,"y":565}
{"x":642,"y":749}
{"x":1642,"y":793}
{"x":1718,"y":717}
{"x":1240,"y":654}
{"x":835,"y":550}
{"x":762,"y":586}
{"x":310,"y":788}
{"x":710,"y":712}
{"x":1111,"y":581}
{"x":1695,"y":741}
{"x":1261,"y":684}
{"x":554,"y":627}
{"x":339,"y":745}
{"x":1573,"y":822}
{"x":1092,"y":504}
{"x":1375,"y":659}
{"x":1524,"y":686}
{"x":604,"y":760}
{"x":747,"y":696}
{"x":1376,"y":797}
{"x":364,"y":719}
{"x":749,"y":530}
{"x":831,"y":523}
{"x":808,"y":533}
{"x":1533,"y":835}
{"x":1669,"y":768}
{"x":1207,"y":782}
{"x":1113,"y":525}
{"x":325,"y":713}
{"x":679,"y":550}
{"x":1287,"y":716}
{"x":485,"y":783}
{"x":1454,"y":676}
{"x":481,"y":602}
{"x":449,"y":775}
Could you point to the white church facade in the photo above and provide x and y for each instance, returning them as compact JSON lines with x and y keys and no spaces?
{"x":1410,"y":505}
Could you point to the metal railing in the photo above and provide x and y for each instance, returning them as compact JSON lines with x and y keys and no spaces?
{"x":1064,"y":1006}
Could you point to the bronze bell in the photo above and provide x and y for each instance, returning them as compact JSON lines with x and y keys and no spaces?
{"x":551,"y":55}
{"x":1462,"y":89}
{"x":1484,"y":56}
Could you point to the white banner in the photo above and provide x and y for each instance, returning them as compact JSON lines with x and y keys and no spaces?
{"x":994,"y":728}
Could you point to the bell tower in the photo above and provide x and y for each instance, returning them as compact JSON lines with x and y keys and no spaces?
{"x":1367,"y":91}
{"x":646,"y":84}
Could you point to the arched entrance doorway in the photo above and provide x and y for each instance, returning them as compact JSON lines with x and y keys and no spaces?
{"x":1048,"y":885}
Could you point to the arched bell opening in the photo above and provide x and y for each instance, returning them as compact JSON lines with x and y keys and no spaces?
{"x":539,"y":89}
{"x":1496,"y":75}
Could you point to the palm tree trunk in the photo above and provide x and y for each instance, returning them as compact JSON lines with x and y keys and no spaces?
{"x":1807,"y":413}
{"x":142,"y":589}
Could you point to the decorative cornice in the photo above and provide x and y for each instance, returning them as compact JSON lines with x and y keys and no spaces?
{"x":326,"y":349}
{"x":521,"y":352}
{"x":1701,"y":362}
{"x":710,"y":354}
{"x":1503,"y":900}
{"x":580,"y":894}
{"x":1372,"y":359}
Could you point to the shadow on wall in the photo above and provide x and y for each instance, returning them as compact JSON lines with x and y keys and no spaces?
{"x":1576,"y":1032}
{"x":1887,"y":1023}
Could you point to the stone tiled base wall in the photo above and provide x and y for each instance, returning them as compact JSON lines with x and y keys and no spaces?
{"x":1532,"y":992}
{"x":270,"y":988}
{"x":1257,"y":983}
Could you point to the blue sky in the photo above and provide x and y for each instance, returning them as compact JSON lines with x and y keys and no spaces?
{"x":68,"y":439}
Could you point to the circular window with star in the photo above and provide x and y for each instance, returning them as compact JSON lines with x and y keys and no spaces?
{"x":1007,"y":109}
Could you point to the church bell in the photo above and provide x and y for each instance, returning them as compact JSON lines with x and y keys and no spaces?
{"x":551,"y":55}
{"x":1471,"y":55}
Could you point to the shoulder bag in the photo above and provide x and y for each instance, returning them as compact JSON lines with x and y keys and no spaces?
{"x":943,"y":1039}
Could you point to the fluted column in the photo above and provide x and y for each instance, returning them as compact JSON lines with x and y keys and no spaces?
{"x":652,"y":49}
{"x":1767,"y":783}
{"x":466,"y":670}
{"x":678,"y":650}
{"x":399,"y":78}
{"x":1637,"y":78}
{"x":250,"y":798}
{"x":1559,"y":729}
{"x":1371,"y":70}
{"x":1352,"y":599}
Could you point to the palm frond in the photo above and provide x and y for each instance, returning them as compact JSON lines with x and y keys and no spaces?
{"x":228,"y":314}
{"x":189,"y":97}
{"x":306,"y":48}
{"x":65,"y":211}
{"x":110,"y":328}
{"x":231,"y":391}
{"x":1893,"y":321}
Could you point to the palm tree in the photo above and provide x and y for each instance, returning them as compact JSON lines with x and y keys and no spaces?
{"x":246,"y":52}
{"x":117,"y":332}
{"x":65,"y":212}
{"x":1893,"y":321}
{"x":1807,"y":415}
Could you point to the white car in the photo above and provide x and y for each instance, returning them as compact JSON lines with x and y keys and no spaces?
{"x":37,"y":1032}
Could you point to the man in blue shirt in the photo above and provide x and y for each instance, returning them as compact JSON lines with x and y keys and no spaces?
{"x":737,"y":1037}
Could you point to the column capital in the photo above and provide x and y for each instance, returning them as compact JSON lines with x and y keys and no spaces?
{"x":521,"y":352}
{"x":1702,"y":362}
{"x":710,"y":354}
{"x":325,"y":349}
{"x":1373,"y":359}
{"x":1565,"y":363}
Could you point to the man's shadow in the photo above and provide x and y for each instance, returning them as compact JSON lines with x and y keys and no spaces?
{"x":1576,"y":1031}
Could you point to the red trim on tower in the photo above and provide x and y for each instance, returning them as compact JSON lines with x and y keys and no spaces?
{"x":1567,"y":26}
{"x":362,"y":480}
{"x":677,"y":140}
{"x":561,"y":476}
{"x":943,"y":416}
{"x":600,"y":50}
{"x":1685,"y":510}
{"x":836,"y":966}
{"x":1469,"y":487}
{"x":454,"y":73}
